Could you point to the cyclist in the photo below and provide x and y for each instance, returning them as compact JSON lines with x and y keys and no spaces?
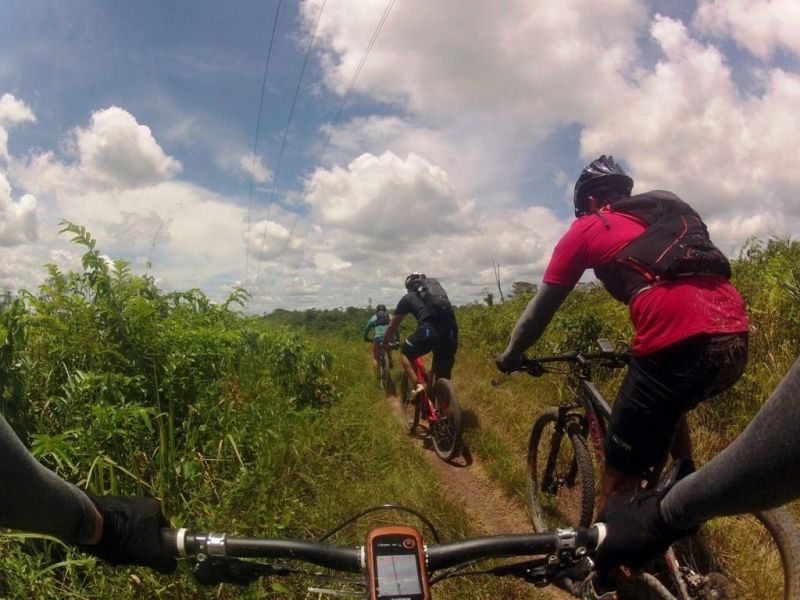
{"x":652,"y":252}
{"x":378,"y":322}
{"x":437,"y":329}
{"x":121,"y":530}
{"x":758,"y":471}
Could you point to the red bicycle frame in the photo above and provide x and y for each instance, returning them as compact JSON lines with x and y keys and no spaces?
{"x":426,"y":407}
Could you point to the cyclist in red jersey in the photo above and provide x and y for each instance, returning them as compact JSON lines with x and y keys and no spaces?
{"x":652,"y":252}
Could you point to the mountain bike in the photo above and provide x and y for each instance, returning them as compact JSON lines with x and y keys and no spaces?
{"x":385,"y":368}
{"x":437,"y":405}
{"x":394,"y":563}
{"x":565,"y":462}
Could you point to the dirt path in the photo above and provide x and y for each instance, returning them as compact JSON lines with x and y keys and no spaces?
{"x":468,"y":484}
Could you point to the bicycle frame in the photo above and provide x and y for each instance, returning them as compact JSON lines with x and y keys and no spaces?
{"x":427,"y":409}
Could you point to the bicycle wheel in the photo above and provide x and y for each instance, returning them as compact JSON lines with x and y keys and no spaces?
{"x":560,"y":475}
{"x":446,"y":429}
{"x":748,"y":557}
{"x":409,"y":405}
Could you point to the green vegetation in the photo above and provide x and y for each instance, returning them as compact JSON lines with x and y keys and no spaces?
{"x":274,"y":426}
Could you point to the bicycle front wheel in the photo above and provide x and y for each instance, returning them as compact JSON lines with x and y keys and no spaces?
{"x":748,"y":557}
{"x":560,"y":475}
{"x":445,"y":430}
{"x":409,"y":405}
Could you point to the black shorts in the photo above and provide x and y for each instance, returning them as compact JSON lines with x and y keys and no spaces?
{"x":660,"y":388}
{"x":442,"y":340}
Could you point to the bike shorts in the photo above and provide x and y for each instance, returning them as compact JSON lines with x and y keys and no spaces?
{"x":660,"y":388}
{"x":441,"y":340}
{"x":376,"y":348}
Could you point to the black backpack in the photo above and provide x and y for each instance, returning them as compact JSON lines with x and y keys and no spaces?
{"x":674,"y":244}
{"x":435,"y":298}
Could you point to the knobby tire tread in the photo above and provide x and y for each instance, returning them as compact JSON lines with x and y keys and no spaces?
{"x":410,"y":411}
{"x":443,"y":394}
{"x":582,"y":462}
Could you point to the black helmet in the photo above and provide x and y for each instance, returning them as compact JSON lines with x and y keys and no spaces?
{"x":380,"y":307}
{"x":601,"y":175}
{"x":414,"y":280}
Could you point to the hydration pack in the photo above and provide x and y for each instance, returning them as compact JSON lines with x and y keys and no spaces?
{"x":434,"y":297}
{"x":674,"y":244}
{"x":382,"y":318}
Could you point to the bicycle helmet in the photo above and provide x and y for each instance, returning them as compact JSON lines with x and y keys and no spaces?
{"x":414,"y":280}
{"x":380,"y":307}
{"x":601,"y":176}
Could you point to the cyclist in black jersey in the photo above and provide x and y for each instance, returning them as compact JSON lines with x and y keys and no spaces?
{"x":437,"y":329}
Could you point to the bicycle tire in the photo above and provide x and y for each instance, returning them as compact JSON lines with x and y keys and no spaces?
{"x":768,"y":570}
{"x":408,"y":405}
{"x":570,"y":494}
{"x":446,"y":429}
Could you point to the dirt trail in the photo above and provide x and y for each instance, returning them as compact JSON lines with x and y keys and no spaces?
{"x":467,"y":483}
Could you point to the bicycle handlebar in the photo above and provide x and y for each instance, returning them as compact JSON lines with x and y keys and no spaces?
{"x":535,"y":365}
{"x":566,"y":544}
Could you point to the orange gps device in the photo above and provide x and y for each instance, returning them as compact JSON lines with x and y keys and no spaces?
{"x":396,"y":566}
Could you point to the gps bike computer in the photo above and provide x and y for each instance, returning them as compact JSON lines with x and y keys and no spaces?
{"x":396,"y":564}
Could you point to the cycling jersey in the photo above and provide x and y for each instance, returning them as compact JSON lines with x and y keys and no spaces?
{"x":663,"y":314}
{"x":379,"y":329}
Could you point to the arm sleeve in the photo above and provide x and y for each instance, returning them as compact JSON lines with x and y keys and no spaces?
{"x":533,"y":321}
{"x":36,"y":499}
{"x":368,"y":326}
{"x":758,"y":471}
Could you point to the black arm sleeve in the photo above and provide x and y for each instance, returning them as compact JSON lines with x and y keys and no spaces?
{"x":35,"y":499}
{"x":758,"y":471}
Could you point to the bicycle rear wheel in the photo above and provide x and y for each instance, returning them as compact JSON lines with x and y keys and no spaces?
{"x":749,"y":557}
{"x":408,"y":404}
{"x":446,"y":429}
{"x":560,"y":474}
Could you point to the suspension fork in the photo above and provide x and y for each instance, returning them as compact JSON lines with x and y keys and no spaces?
{"x":562,"y":422}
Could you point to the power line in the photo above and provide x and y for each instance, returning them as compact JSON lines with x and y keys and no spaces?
{"x":255,"y":142}
{"x":338,"y":115}
{"x":285,"y":134}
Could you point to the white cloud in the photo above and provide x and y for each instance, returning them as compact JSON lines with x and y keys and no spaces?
{"x":687,"y":127}
{"x":761,"y":26}
{"x":18,"y":221}
{"x":115,"y":150}
{"x":12,"y":112}
{"x":387,"y":199}
{"x":254,"y":168}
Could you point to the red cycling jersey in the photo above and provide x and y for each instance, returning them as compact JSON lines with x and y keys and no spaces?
{"x":663,"y":314}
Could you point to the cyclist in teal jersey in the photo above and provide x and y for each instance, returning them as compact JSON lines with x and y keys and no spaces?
{"x":378,"y":323}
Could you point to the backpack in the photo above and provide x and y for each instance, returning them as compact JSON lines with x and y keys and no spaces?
{"x":435,"y":298}
{"x":674,"y":244}
{"x":382,"y":318}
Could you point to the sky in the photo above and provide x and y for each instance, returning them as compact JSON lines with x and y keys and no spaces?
{"x":315,"y":152}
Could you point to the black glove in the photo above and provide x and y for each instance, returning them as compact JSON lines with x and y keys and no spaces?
{"x":131,"y":533}
{"x":506,"y":363}
{"x":636,"y":530}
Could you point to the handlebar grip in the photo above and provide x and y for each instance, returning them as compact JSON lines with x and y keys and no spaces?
{"x":173,"y":541}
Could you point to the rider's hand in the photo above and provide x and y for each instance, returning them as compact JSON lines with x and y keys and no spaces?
{"x":507,"y":363}
{"x":131,"y":533}
{"x":636,"y":530}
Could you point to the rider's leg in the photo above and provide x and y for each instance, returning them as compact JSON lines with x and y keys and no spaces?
{"x":409,"y":368}
{"x":682,"y":442}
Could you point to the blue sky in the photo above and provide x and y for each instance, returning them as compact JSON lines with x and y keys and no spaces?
{"x":458,"y":145}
